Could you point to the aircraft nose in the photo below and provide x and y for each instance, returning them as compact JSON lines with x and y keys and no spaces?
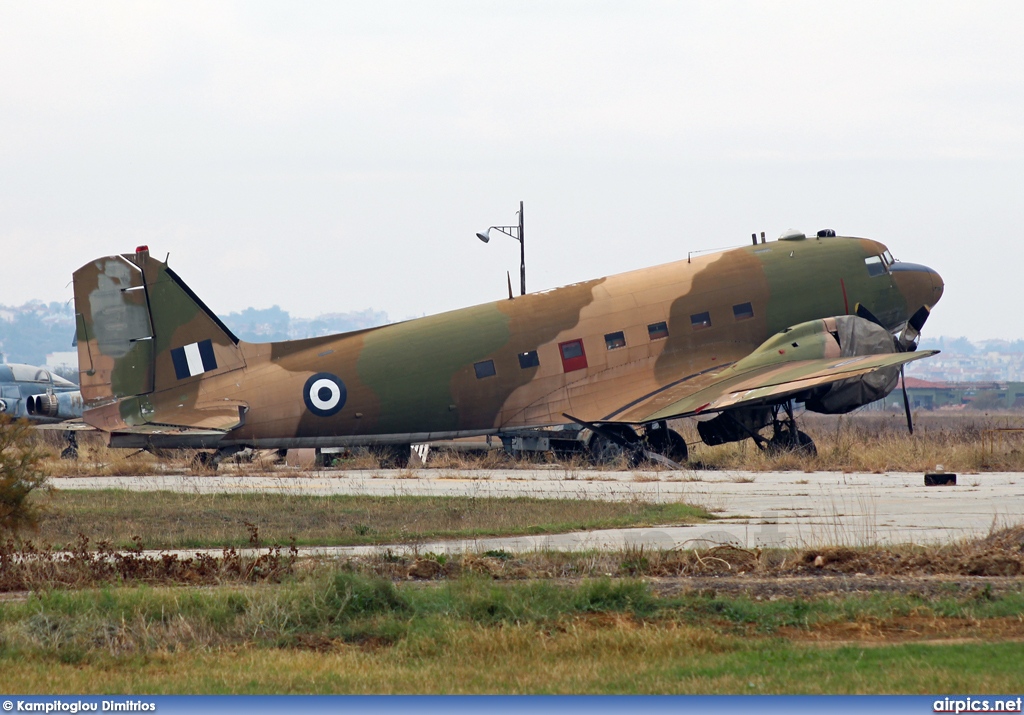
{"x":919,"y":284}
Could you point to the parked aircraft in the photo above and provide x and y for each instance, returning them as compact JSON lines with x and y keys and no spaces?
{"x":739,"y":335}
{"x":36,"y":394}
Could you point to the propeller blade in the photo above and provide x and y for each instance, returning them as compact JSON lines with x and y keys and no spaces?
{"x":912,"y":331}
{"x":863,"y":312}
{"x":906,"y":401}
{"x":918,"y":319}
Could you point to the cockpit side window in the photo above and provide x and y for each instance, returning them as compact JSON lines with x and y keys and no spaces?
{"x":887,"y":257}
{"x":875,"y":265}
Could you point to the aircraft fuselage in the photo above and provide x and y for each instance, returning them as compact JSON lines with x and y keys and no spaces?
{"x":584,"y":349}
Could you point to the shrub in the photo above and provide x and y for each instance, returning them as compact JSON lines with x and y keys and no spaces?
{"x":20,"y":475}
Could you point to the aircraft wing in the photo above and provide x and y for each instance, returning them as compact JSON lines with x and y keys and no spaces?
{"x":766,"y":384}
{"x":793,"y":361}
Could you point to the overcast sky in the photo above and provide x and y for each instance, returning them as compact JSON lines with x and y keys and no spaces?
{"x":328,"y":157}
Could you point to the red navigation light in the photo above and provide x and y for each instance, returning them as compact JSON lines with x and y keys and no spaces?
{"x":140,"y":249}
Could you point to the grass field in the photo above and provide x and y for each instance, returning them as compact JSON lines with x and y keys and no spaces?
{"x":177,"y":520}
{"x":341,"y":632}
{"x":942,"y":619}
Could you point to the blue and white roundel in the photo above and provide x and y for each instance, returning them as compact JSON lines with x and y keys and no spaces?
{"x":324,"y":394}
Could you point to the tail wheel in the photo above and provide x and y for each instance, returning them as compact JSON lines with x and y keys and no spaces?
{"x":392,"y":456}
{"x":204,"y":461}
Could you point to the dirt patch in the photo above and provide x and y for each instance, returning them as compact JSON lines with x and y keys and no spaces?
{"x":909,"y":628}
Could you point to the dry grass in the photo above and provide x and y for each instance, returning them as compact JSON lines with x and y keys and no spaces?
{"x":587,"y":657}
{"x":176,"y":520}
{"x":879,"y":442}
{"x":862,"y":442}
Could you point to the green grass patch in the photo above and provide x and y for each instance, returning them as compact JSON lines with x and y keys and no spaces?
{"x":175,"y":520}
{"x":342,"y":632}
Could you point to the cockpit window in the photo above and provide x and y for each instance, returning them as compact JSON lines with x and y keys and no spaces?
{"x":887,"y":257}
{"x":875,"y":265}
{"x":29,"y":373}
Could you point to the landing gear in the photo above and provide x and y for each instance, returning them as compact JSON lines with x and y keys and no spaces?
{"x":666,"y":442}
{"x":786,"y":438}
{"x":604,"y":450}
{"x":209,"y":461}
{"x":658,"y":444}
{"x":204,"y":461}
{"x":71,"y":450}
{"x":392,"y":456}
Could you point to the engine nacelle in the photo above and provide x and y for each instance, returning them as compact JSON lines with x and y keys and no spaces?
{"x":857,"y":336}
{"x":734,"y":425}
{"x":837,"y":337}
{"x":55,"y":405}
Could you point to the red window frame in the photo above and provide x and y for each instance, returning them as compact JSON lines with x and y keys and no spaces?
{"x":577,"y":362}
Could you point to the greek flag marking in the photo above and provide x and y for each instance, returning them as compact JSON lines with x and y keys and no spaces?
{"x":193,"y":359}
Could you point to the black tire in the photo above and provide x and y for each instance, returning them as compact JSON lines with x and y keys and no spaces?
{"x":605,"y":451}
{"x":392,"y":456}
{"x":782,"y":442}
{"x":205,"y":461}
{"x":668,"y":443}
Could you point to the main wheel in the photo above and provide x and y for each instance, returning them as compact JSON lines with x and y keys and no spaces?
{"x":668,"y":443}
{"x":783,"y":442}
{"x":605,"y":451}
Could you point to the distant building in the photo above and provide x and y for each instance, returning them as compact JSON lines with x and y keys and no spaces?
{"x":934,"y":395}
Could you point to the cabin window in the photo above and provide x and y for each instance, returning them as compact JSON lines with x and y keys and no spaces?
{"x":699,"y":321}
{"x":615,"y":340}
{"x":743,"y":311}
{"x":484,"y":369}
{"x":875,"y":265}
{"x":528,"y":359}
{"x":573,"y":355}
{"x":657,"y":331}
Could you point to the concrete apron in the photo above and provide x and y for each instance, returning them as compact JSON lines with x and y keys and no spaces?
{"x":754,"y":509}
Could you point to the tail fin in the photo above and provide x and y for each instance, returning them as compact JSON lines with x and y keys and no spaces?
{"x":141,"y":330}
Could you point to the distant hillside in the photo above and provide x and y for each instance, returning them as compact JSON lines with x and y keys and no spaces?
{"x":262,"y":325}
{"x":30,"y":332}
{"x":963,"y":346}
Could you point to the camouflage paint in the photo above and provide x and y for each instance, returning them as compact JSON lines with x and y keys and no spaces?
{"x":418,"y":377}
{"x":410,"y":366}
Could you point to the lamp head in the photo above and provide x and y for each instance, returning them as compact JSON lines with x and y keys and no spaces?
{"x":485,"y":237}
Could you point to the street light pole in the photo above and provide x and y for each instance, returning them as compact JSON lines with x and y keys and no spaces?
{"x":517,"y":233}
{"x":522,"y":253}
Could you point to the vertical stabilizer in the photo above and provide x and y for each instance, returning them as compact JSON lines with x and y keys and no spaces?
{"x":141,"y":330}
